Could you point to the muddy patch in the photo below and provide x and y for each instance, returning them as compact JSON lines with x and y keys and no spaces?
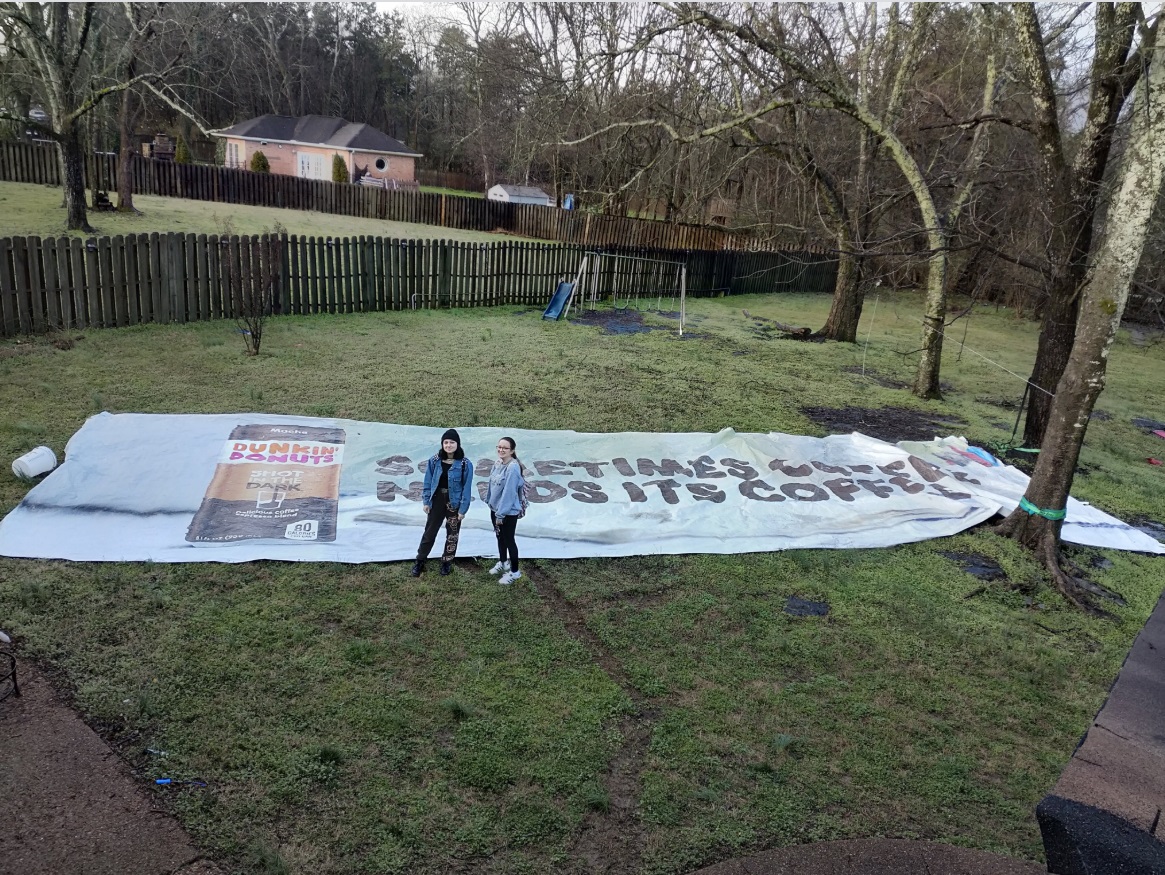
{"x":1004,"y":403}
{"x":1086,"y":556}
{"x":977,"y":565}
{"x":767,"y":329}
{"x":890,"y":424}
{"x":882,"y":380}
{"x":617,"y":321}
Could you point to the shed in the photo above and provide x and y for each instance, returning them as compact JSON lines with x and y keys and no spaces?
{"x":520,"y":194}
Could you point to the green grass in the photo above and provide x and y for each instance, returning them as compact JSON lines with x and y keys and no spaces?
{"x":354,"y":719}
{"x":36,"y":210}
{"x":436,"y":189}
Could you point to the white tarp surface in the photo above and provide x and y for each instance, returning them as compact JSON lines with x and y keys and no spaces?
{"x":237,"y":487}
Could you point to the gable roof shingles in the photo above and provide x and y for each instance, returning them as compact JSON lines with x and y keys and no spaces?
{"x":318,"y":130}
{"x":522,"y":190}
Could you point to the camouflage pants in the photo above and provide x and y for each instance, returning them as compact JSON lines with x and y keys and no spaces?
{"x":439,"y":513}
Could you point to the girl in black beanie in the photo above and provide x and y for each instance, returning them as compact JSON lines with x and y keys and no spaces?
{"x":446,"y":496}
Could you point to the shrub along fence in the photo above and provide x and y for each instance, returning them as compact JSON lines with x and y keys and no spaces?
{"x":25,"y":162}
{"x":68,"y":282}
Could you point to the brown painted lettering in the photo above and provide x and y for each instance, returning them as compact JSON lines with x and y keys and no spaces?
{"x":741,"y":469}
{"x":552,"y":468}
{"x":804,"y":491}
{"x":635,"y":493}
{"x":708,"y":492}
{"x":843,"y":488}
{"x":394,"y":466}
{"x":667,"y":488}
{"x":789,"y":470}
{"x":544,"y":491}
{"x":703,"y":468}
{"x":587,"y":493}
{"x":751,"y":489}
{"x":623,"y":468}
{"x":877,"y":487}
{"x":593,"y":469}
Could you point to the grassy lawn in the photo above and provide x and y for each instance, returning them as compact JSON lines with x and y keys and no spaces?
{"x":352,"y":719}
{"x":27,"y":209}
{"x":436,"y":189}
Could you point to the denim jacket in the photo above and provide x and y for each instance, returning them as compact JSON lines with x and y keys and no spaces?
{"x":460,"y":483}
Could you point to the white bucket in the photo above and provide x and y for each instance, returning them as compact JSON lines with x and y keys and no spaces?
{"x":35,"y":462}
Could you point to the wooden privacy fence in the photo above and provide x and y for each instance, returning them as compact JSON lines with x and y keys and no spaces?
{"x":25,"y":162}
{"x":68,"y":282}
{"x":449,"y":179}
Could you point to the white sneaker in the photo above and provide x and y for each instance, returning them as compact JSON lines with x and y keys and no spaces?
{"x":499,"y":568}
{"x":509,"y":577}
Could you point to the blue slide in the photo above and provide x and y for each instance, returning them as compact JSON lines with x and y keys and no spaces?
{"x":558,"y":301}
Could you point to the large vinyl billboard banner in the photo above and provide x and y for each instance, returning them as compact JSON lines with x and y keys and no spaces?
{"x":237,"y":487}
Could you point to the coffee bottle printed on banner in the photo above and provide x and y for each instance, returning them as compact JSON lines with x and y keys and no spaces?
{"x":275,"y":482}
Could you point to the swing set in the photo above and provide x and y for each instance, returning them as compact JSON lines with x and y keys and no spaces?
{"x":622,"y":282}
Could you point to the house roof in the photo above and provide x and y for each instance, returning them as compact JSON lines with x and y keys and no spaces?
{"x":522,"y":190}
{"x":317,"y":130}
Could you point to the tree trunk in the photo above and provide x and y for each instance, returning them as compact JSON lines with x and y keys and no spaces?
{"x":124,"y":153}
{"x":1052,"y":353}
{"x":845,"y":311}
{"x":73,"y":178}
{"x":1102,"y":303}
{"x":926,"y":378}
{"x":89,"y":156}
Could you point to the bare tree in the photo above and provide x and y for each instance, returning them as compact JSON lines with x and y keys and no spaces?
{"x":1039,"y":518}
{"x":1072,"y":169}
{"x":61,"y":47}
{"x":753,"y":34}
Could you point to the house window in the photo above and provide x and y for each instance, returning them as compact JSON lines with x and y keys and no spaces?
{"x":233,"y":155}
{"x":381,"y":164}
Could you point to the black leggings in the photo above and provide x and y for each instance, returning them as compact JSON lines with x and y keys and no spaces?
{"x":507,"y":544}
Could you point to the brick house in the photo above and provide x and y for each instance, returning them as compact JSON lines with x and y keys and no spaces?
{"x":305,"y":147}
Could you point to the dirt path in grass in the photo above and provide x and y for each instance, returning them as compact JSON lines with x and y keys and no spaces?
{"x":69,"y":805}
{"x":611,"y":842}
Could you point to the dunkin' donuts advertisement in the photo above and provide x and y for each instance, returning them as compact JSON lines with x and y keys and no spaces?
{"x":273,"y":482}
{"x":244,"y":486}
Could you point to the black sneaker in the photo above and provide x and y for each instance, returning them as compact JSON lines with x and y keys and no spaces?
{"x":418,"y":567}
{"x":446,"y":567}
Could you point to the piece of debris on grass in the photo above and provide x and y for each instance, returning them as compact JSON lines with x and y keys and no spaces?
{"x":796,"y":332}
{"x":1148,"y":424}
{"x":799,"y":607}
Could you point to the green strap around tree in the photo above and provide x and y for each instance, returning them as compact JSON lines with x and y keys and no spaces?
{"x":1026,"y":505}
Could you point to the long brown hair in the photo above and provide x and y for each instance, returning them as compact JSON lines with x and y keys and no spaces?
{"x":513,"y":447}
